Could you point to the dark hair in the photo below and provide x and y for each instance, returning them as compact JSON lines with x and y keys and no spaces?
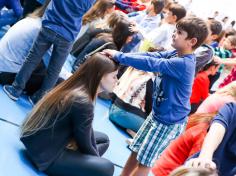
{"x":178,"y":10}
{"x":158,"y":5}
{"x":232,"y":23}
{"x":105,"y":36}
{"x":121,"y":32}
{"x":208,"y":65}
{"x":225,"y":18}
{"x":195,"y":28}
{"x":39,"y":11}
{"x":215,"y":27}
{"x":229,"y":32}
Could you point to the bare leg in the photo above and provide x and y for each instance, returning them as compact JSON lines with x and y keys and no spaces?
{"x":141,"y":170}
{"x":130,"y":132}
{"x":130,"y":165}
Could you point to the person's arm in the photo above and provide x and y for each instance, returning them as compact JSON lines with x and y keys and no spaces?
{"x":82,"y":117}
{"x":210,"y":144}
{"x":224,"y":119}
{"x":228,"y":61}
{"x":152,"y":62}
{"x":162,"y":54}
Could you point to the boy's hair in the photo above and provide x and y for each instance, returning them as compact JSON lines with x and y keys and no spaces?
{"x":158,"y":5}
{"x":195,"y":28}
{"x":183,"y":170}
{"x":215,"y":27}
{"x":208,"y":65}
{"x":232,"y":39}
{"x":229,"y":32}
{"x":178,"y":10}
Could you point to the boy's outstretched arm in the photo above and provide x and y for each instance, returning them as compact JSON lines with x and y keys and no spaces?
{"x":150,"y":61}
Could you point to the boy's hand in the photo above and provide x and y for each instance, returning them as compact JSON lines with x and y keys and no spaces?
{"x":201,"y":163}
{"x":109,"y":52}
{"x":133,"y":27}
{"x":217,"y":59}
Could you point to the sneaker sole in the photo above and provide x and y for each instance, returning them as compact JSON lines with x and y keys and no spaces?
{"x":9,"y":95}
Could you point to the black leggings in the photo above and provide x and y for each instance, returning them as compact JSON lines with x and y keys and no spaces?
{"x":74,"y":163}
{"x":35,"y":81}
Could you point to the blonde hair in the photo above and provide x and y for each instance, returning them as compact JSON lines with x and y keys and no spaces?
{"x":115,"y":18}
{"x":229,"y":89}
{"x":187,"y":171}
{"x":98,"y":10}
{"x":199,"y":118}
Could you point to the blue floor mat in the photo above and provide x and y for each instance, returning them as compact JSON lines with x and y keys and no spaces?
{"x":12,"y":158}
{"x":10,"y":146}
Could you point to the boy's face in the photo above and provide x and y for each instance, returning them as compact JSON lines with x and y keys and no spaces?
{"x":211,"y":37}
{"x":214,"y":69}
{"x":150,"y":8}
{"x":227,"y":44}
{"x":170,"y":18}
{"x":180,"y":41}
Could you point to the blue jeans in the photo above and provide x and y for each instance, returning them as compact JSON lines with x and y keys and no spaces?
{"x":7,"y":17}
{"x":125,"y":119}
{"x":44,"y":40}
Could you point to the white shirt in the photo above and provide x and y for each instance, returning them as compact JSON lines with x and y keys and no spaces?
{"x":162,"y":36}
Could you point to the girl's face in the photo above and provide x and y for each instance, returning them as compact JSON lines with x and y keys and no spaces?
{"x":169,"y":17}
{"x":108,"y":82}
{"x":110,"y":10}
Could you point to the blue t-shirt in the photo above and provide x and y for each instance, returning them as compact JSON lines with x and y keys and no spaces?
{"x":65,"y":17}
{"x":173,"y":85}
{"x":225,"y":155}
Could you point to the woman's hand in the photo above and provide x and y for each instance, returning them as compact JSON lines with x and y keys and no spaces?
{"x":133,"y":27}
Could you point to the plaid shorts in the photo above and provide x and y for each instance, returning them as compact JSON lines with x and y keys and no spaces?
{"x":152,"y":139}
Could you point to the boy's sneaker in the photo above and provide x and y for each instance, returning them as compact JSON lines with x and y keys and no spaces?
{"x":12,"y":92}
{"x":36,"y":97}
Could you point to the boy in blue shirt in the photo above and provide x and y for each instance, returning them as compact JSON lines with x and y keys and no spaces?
{"x":171,"y":93}
{"x":60,"y":25}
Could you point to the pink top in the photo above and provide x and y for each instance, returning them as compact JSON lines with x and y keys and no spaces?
{"x":214,"y":102}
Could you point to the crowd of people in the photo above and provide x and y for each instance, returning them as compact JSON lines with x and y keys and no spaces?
{"x":170,"y":77}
